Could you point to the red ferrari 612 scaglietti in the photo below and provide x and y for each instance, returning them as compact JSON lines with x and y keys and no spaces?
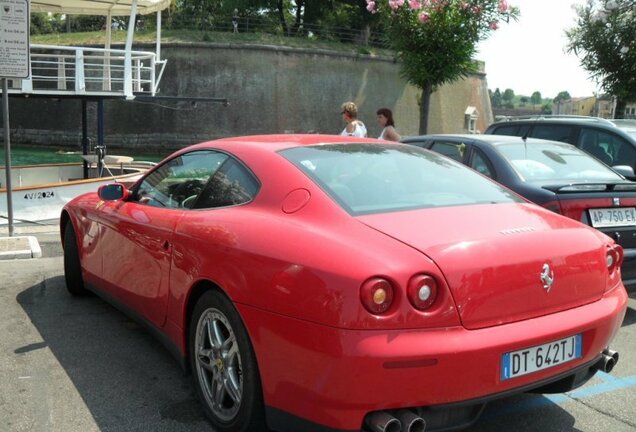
{"x":327,"y":283}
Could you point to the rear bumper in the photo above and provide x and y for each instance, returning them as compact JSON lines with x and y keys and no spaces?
{"x":332,"y":378}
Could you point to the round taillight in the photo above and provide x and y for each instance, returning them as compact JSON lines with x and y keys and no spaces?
{"x":614,"y":258}
{"x":376,"y":295}
{"x":422,"y":291}
{"x":620,"y":255}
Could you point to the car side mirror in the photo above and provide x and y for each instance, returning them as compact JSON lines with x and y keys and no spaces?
{"x":113,"y":192}
{"x":624,"y":170}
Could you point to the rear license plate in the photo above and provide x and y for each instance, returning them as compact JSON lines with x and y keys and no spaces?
{"x":540,"y":357}
{"x":610,"y":217}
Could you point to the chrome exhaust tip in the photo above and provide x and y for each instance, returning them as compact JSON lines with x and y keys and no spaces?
{"x":411,"y":422}
{"x":613,"y":354}
{"x":608,"y":360}
{"x":382,"y":421}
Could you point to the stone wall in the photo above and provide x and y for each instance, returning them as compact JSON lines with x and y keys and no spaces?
{"x":271,"y":89}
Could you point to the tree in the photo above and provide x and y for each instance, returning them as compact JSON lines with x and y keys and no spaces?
{"x":496,"y":100}
{"x":435,"y":40}
{"x":508,"y":96}
{"x":524,"y":100}
{"x":562,"y":96}
{"x":546,"y":108}
{"x":198,"y":13}
{"x":536,"y":98}
{"x":604,"y":42}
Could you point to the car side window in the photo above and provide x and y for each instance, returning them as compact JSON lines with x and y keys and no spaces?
{"x":507,"y":130}
{"x":480,"y":164}
{"x":607,"y":147}
{"x":453,"y":150}
{"x":178,"y":182}
{"x":231,"y":184}
{"x":563,"y":133}
{"x":599,"y":144}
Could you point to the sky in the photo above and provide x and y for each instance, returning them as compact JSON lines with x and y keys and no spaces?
{"x":530,"y":54}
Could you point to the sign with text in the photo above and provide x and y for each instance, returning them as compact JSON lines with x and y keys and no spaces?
{"x":14,"y":39}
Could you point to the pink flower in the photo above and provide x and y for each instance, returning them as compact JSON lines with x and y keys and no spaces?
{"x":415,"y":4}
{"x":423,"y":17}
{"x":371,"y":6}
{"x":503,"y":6}
{"x":494,"y":25}
{"x":395,"y":4}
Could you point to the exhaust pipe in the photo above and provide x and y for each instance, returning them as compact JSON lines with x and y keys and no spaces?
{"x":382,"y":421}
{"x":613,"y":354}
{"x":608,"y":360}
{"x":410,"y":421}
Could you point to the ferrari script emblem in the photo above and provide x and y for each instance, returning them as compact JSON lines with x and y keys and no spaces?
{"x":547,"y":277}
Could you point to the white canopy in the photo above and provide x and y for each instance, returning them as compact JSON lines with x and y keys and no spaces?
{"x":98,"y":7}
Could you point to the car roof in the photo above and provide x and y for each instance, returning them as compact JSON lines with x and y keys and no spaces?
{"x":625,"y":125}
{"x":557,"y":119}
{"x":493,"y":140}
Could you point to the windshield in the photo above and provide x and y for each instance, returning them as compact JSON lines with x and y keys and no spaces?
{"x":555,"y":162}
{"x":376,"y":178}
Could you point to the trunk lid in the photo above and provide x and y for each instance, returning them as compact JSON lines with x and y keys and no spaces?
{"x":493,"y":256}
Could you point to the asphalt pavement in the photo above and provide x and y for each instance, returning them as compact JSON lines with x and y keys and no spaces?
{"x":79,"y":365}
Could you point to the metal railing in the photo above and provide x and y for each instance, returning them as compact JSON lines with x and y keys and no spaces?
{"x":268,"y":24}
{"x":66,"y":70}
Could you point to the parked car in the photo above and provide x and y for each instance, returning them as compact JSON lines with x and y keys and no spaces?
{"x":555,"y":175}
{"x":316,"y":282}
{"x":613,"y":142}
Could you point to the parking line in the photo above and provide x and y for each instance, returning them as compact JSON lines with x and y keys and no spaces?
{"x":609,"y":384}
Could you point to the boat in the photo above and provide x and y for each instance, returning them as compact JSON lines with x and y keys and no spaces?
{"x":89,"y":74}
{"x":40,"y":191}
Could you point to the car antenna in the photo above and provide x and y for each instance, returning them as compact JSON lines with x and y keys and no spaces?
{"x":524,"y":137}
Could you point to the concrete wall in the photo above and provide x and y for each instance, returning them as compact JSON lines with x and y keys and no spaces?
{"x":449,"y":103}
{"x":271,"y":89}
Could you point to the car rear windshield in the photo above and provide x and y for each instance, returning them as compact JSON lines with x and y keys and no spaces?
{"x":555,"y":162}
{"x":376,"y":178}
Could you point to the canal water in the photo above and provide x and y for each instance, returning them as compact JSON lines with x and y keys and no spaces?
{"x":27,"y":155}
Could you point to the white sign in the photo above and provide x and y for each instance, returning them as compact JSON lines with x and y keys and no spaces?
{"x":14,"y":39}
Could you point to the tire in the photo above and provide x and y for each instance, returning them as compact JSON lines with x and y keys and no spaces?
{"x":224,"y":368}
{"x":72,"y":266}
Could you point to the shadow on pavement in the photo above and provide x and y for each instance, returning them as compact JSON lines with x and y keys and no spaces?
{"x":525,"y":413}
{"x":126,"y":378}
{"x":630,"y":317}
{"x":129,"y":382}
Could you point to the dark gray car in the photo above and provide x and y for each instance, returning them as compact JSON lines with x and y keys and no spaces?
{"x":554,"y":175}
{"x":613,"y":142}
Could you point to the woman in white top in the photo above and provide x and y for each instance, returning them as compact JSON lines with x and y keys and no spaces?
{"x":385,"y":120}
{"x":354,"y":126}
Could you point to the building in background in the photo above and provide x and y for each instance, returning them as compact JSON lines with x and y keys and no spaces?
{"x":605,"y":107}
{"x":576,"y":106}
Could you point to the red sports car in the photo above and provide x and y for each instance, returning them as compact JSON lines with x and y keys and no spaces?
{"x":327,"y":283}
